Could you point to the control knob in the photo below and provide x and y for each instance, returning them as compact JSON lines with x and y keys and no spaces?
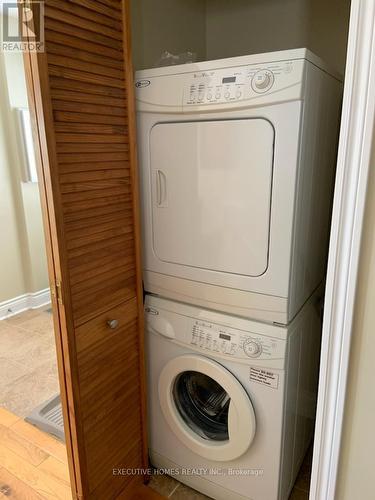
{"x":262,"y":81}
{"x":252,"y":348}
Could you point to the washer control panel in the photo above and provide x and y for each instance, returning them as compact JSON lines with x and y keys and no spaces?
{"x":234,"y":343}
{"x":235,"y":84}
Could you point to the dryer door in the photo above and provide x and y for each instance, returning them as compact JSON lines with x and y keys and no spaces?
{"x":211,"y":189}
{"x":206,"y":407}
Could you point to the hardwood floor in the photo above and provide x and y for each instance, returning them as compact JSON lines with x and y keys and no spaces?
{"x":33,"y":465}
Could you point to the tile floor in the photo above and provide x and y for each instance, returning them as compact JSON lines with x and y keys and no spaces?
{"x":28,"y":367}
{"x":170,"y":488}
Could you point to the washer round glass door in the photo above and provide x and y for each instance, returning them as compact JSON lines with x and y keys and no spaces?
{"x":206,"y":407}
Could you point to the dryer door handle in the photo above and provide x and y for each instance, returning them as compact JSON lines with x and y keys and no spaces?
{"x":161,"y":189}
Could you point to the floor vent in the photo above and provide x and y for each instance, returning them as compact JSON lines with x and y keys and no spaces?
{"x":48,"y":417}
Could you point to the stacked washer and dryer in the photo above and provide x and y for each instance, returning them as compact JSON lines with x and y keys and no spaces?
{"x":237,"y":162}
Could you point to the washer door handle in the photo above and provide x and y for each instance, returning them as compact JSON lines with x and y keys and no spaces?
{"x":233,"y":419}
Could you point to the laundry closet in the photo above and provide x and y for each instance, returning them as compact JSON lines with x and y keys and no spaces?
{"x":238,"y":114}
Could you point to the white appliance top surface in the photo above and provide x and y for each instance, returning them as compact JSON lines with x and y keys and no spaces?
{"x":223,"y":84}
{"x":264,"y":58}
{"x":279,"y":331}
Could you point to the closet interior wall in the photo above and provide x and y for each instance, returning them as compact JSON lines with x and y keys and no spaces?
{"x":215,"y":29}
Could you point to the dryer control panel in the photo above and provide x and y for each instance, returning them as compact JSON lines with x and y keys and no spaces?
{"x":223,"y":84}
{"x":240,"y":83}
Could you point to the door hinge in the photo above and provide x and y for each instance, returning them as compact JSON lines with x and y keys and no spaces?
{"x":56,"y":291}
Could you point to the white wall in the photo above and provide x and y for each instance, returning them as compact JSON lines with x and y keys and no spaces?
{"x":22,"y":249}
{"x":328,"y":31}
{"x":38,"y":271}
{"x":243,"y":27}
{"x":12,"y":271}
{"x":356,"y":471}
{"x":224,"y":28}
{"x":173,"y":25}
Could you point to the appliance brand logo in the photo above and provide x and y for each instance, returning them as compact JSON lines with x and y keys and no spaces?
{"x":142,"y":83}
{"x":151,"y":310}
{"x":204,"y":74}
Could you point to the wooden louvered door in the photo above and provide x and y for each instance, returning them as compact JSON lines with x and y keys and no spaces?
{"x":81,"y":92}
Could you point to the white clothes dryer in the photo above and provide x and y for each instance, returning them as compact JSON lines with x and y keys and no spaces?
{"x":237,"y":161}
{"x":231,"y":401}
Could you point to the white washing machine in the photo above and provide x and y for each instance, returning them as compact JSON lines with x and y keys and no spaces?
{"x":231,"y":401}
{"x":237,"y":160}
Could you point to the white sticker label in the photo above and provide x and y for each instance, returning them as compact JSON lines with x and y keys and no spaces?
{"x":264,"y":377}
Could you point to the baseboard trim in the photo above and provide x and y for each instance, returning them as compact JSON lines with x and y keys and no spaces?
{"x":24,"y":302}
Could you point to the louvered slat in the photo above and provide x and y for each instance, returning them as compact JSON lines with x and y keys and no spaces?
{"x":90,"y":126}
